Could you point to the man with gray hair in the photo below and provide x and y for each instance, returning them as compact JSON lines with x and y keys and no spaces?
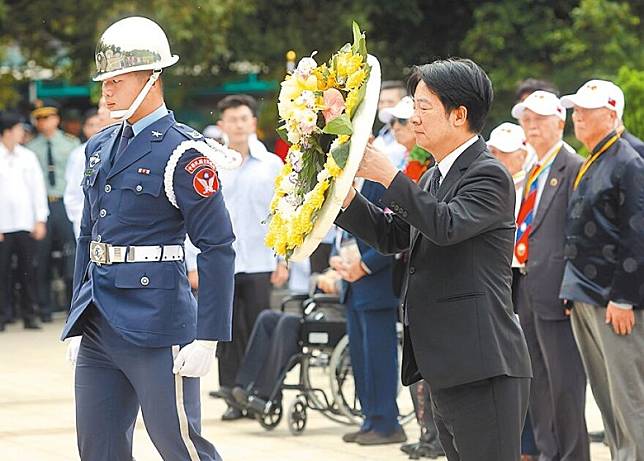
{"x":604,"y":274}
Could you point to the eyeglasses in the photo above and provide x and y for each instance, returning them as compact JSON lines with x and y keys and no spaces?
{"x":402,"y":121}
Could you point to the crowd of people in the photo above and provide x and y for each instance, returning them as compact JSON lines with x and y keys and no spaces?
{"x":577,"y":265}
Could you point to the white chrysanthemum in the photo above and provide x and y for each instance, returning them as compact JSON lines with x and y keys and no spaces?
{"x":306,"y":120}
{"x":305,"y":100}
{"x":305,"y":66}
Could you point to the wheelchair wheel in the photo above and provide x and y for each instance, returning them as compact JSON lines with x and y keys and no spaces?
{"x":297,"y":416}
{"x":343,"y":386}
{"x":269,"y":420}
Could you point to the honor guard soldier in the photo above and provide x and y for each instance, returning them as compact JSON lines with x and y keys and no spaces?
{"x":145,"y":339}
{"x":52,"y":147}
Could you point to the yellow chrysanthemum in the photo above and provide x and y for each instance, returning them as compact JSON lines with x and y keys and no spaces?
{"x":332,"y":167}
{"x":351,"y":103}
{"x":347,"y":64}
{"x":356,"y":79}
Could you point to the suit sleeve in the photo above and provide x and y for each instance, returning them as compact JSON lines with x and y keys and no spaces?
{"x":481,"y":203}
{"x":209,"y":228}
{"x":385,"y":232}
{"x":629,"y":268}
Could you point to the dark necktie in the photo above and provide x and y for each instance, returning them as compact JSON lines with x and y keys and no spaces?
{"x":50,"y":165}
{"x":434,"y":182}
{"x":124,"y":140}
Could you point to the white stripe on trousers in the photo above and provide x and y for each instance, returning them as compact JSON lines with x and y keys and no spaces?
{"x":181,"y":413}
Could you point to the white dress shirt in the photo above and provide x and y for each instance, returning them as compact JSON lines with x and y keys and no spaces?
{"x":23,"y":196}
{"x":248,"y":191}
{"x":73,"y":198}
{"x":446,"y":164}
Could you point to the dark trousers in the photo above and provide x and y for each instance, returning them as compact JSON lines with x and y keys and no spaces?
{"x":422,"y":400}
{"x":60,"y":236}
{"x":23,"y":246}
{"x":482,"y":421}
{"x":251,"y":296}
{"x":272,"y":343}
{"x":373,"y":346}
{"x":114,"y":378}
{"x":558,"y":391}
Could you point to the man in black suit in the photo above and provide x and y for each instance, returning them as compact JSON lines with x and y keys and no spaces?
{"x":461,"y":335}
{"x":558,"y":393}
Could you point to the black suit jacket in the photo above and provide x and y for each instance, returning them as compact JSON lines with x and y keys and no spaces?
{"x":545,"y":266}
{"x":461,"y":327}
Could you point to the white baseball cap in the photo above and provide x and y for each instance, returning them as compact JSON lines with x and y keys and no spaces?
{"x":507,"y":137}
{"x":542,"y":103}
{"x":403,"y":110}
{"x":595,"y":94}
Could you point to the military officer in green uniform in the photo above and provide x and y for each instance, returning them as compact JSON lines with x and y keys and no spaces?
{"x":52,"y":147}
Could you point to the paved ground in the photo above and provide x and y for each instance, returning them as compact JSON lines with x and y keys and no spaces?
{"x":37,"y":415}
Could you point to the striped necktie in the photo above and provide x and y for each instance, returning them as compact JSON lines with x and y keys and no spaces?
{"x":526,"y":216}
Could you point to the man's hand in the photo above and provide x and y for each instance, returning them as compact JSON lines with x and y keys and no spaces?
{"x":193,"y":279}
{"x":73,"y":345}
{"x":349,"y":198}
{"x":336,"y":263}
{"x":352,"y":271}
{"x":622,"y":320}
{"x":195,"y":359}
{"x":39,"y":231}
{"x":376,"y":167}
{"x":326,"y":282}
{"x":280,"y":274}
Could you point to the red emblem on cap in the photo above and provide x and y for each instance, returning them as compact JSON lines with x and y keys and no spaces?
{"x":205,"y":182}
{"x":612,"y":102}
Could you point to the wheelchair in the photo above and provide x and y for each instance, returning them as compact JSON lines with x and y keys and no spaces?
{"x":323,"y":353}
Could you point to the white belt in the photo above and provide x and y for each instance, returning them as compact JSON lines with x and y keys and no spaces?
{"x":104,"y":253}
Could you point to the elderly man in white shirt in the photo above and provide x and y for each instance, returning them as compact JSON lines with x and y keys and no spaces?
{"x":23,"y":201}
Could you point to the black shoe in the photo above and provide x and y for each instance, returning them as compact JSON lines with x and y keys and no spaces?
{"x":419,"y":450}
{"x":597,"y":437}
{"x":32,"y":324}
{"x":232,"y":414}
{"x":350,"y":437}
{"x":377,"y":438}
{"x":45,"y":318}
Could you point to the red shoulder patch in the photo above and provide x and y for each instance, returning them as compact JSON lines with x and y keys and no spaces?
{"x":206,"y":182}
{"x":197,"y":163}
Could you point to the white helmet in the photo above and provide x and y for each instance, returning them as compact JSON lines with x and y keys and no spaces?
{"x":132,"y":44}
{"x":129,"y":45}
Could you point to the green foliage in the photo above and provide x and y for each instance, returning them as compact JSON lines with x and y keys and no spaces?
{"x":341,"y":154}
{"x":631,"y":81}
{"x":339,"y":126}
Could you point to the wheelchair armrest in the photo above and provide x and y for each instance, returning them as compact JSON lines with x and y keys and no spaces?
{"x":293,"y":299}
{"x":323,"y":298}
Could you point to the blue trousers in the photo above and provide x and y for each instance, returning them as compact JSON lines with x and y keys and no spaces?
{"x":374,"y":357}
{"x":114,"y":378}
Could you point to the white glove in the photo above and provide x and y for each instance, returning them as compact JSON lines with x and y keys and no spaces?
{"x":73,"y":344}
{"x":195,"y":359}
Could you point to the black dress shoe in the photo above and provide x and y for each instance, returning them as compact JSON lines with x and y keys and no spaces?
{"x":232,"y":414}
{"x":377,"y":438}
{"x":222,"y":393}
{"x":350,"y":437}
{"x":431,"y":450}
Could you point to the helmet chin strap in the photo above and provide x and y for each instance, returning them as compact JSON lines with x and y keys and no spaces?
{"x":127,"y":113}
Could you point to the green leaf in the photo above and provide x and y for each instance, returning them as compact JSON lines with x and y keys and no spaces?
{"x":339,"y":125}
{"x":359,"y":43}
{"x":282,"y":133}
{"x":341,"y":154}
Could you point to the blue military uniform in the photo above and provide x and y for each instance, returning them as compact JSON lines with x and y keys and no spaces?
{"x":134,"y":316}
